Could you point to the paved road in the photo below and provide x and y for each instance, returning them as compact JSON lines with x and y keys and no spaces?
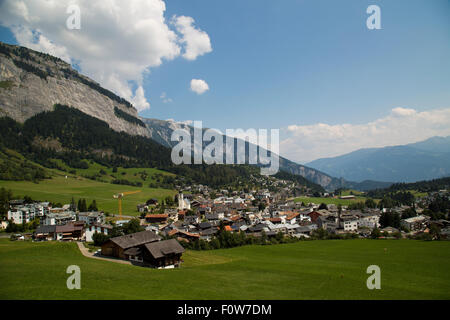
{"x":85,"y":252}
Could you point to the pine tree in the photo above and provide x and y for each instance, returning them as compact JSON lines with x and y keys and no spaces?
{"x":93,"y":206}
{"x":82,"y":206}
{"x":72,"y":205}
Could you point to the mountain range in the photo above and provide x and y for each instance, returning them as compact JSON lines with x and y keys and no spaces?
{"x":161,"y":131}
{"x":32,"y":83}
{"x":424,"y":160}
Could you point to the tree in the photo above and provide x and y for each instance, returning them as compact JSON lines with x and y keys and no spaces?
{"x":116,"y":231}
{"x":169,"y":201}
{"x":370,"y":203}
{"x":263,"y":237}
{"x":386,"y":202}
{"x":435,"y":232}
{"x":388,"y":219}
{"x":132,"y":226}
{"x":27,"y":199}
{"x":319,"y":233}
{"x":376,"y":233}
{"x":408,"y":213}
{"x":82,"y":206}
{"x":12,"y":227}
{"x":99,"y":238}
{"x":397,"y":235}
{"x":357,"y":205}
{"x":5,"y":197}
{"x":73,"y":206}
{"x":93,"y":206}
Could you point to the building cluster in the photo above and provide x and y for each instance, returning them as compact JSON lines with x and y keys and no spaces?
{"x":198,"y":216}
{"x":242,"y":212}
{"x":58,"y":223}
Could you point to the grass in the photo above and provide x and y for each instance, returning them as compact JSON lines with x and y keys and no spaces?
{"x":351,"y":192}
{"x":330,"y":269}
{"x":60,"y":189}
{"x":7,"y":84}
{"x":144,"y":175}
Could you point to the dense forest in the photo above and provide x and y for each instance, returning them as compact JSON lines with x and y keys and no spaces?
{"x":81,"y":136}
{"x":420,"y":186}
{"x":127,"y":117}
{"x":299,"y":179}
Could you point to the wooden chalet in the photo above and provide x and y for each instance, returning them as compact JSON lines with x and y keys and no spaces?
{"x":183,"y":235}
{"x":144,"y":248}
{"x":157,"y":218}
{"x":162,"y":254}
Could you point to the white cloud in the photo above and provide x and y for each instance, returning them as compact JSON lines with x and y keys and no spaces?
{"x":199,"y":86}
{"x":304,"y":143}
{"x":196,"y":41}
{"x":164,"y":98}
{"x":118,"y":42}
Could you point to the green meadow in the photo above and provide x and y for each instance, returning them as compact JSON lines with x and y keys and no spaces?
{"x":60,"y":189}
{"x":143,"y":175}
{"x":327,"y":269}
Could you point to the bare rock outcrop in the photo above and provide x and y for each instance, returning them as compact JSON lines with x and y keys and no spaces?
{"x":32,"y":82}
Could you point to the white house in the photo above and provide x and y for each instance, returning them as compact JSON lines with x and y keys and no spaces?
{"x":96,"y":228}
{"x":58,"y":218}
{"x":91,"y":217}
{"x":21,"y":215}
{"x":415,"y":223}
{"x":369,"y":221}
{"x":350,"y":225}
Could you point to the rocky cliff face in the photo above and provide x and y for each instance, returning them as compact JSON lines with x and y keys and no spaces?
{"x":32,"y":82}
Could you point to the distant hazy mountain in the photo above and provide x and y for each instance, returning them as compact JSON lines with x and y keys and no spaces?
{"x":423,"y":160}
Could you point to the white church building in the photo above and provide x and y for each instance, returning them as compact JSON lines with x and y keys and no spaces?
{"x":183,"y":204}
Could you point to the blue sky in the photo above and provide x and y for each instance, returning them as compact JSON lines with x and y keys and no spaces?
{"x":280,"y":64}
{"x":274,"y":64}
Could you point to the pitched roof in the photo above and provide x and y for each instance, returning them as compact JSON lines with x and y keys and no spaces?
{"x":135,"y":239}
{"x":133,"y":251}
{"x":68,"y":228}
{"x":292,"y":215}
{"x":208,"y":232}
{"x":46,"y":229}
{"x":205,"y":225}
{"x":161,"y":248}
{"x":158,"y":216}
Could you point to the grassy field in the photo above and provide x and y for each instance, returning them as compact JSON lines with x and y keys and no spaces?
{"x":351,"y":192}
{"x":60,"y":189}
{"x":330,"y":269}
{"x":336,"y":201}
{"x":143,"y":175}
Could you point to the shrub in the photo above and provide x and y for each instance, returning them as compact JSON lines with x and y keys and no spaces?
{"x":99,"y":239}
